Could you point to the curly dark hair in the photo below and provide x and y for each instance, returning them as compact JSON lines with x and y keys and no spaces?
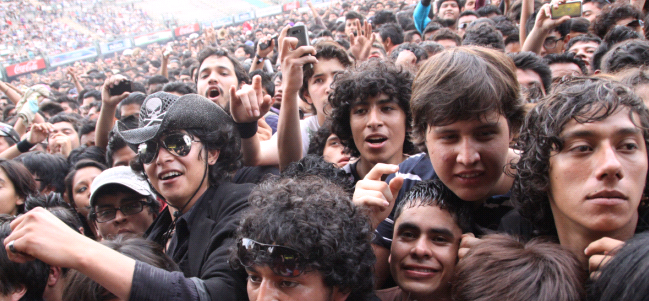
{"x":370,"y":79}
{"x":581,"y":99}
{"x":315,"y":165}
{"x":317,"y":218}
{"x":419,"y":51}
{"x":319,"y":138}
{"x":626,"y":55}
{"x":226,"y":140}
{"x":610,"y":15}
{"x":484,"y":34}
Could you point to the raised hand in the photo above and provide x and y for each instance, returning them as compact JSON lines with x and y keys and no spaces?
{"x":361,"y":45}
{"x":248,"y":104}
{"x":376,"y":195}
{"x":112,"y":100}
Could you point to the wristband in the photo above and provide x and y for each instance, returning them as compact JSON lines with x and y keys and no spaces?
{"x":247,"y":130}
{"x":24,"y":146}
{"x":259,"y":59}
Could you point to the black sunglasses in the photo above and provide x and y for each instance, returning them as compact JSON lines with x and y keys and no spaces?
{"x":285,"y":261}
{"x":106,"y":215}
{"x":178,"y":144}
{"x":635,"y":23}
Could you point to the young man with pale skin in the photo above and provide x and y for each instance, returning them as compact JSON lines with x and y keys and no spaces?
{"x":467,"y":150}
{"x":370,"y":110}
{"x":583,"y":168}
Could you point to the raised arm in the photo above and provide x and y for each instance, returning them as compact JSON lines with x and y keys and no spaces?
{"x":109,"y":105}
{"x":542,"y":27}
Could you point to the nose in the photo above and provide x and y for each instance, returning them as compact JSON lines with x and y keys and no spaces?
{"x":266,"y":291}
{"x":609,"y":164}
{"x":374,"y":118}
{"x":163,"y":155}
{"x":119,"y":216}
{"x":421,"y":249}
{"x":467,"y":153}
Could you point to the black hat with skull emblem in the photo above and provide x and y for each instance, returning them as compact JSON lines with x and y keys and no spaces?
{"x":163,"y":111}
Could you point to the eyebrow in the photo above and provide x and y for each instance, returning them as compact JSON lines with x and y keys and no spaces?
{"x":380,"y":101}
{"x":217,"y":67}
{"x":442,"y":130}
{"x":408,"y":226}
{"x":588,"y":133}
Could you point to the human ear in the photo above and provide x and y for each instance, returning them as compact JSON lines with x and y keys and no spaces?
{"x":213,"y":156}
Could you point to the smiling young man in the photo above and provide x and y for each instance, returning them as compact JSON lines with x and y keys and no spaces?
{"x":466,"y":133}
{"x":583,"y":168}
{"x":187,"y":147}
{"x":371,"y":115}
{"x":429,"y":223}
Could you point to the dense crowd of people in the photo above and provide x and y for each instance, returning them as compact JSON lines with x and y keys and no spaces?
{"x":420,"y":150}
{"x":39,"y":28}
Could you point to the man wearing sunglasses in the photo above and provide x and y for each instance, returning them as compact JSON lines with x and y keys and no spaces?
{"x":121,"y":203}
{"x":304,"y":239}
{"x":187,"y":147}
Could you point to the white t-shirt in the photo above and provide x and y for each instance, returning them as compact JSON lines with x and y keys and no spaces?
{"x":308,"y":127}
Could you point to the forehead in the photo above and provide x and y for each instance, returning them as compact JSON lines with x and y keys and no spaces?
{"x":488,"y":119}
{"x":374,"y":99}
{"x":427,"y":216}
{"x":327,"y":66}
{"x":449,"y":3}
{"x":215,"y":62}
{"x":589,"y":6}
{"x":620,"y":119}
{"x":584,"y":45}
{"x":109,"y":198}
{"x":527,"y":76}
{"x":63,"y":125}
{"x":560,"y":69}
{"x":467,"y":18}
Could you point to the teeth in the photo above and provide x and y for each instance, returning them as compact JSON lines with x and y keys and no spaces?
{"x":169,"y":175}
{"x":376,"y":140}
{"x":423,"y":270}
{"x":469,"y":175}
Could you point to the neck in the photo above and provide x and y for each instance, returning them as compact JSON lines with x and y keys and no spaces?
{"x":199,"y":193}
{"x":576,"y":238}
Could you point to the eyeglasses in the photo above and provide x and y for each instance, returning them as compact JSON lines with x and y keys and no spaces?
{"x":285,"y":261}
{"x":635,"y":23}
{"x":178,"y":144}
{"x":550,"y":42}
{"x":106,"y":215}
